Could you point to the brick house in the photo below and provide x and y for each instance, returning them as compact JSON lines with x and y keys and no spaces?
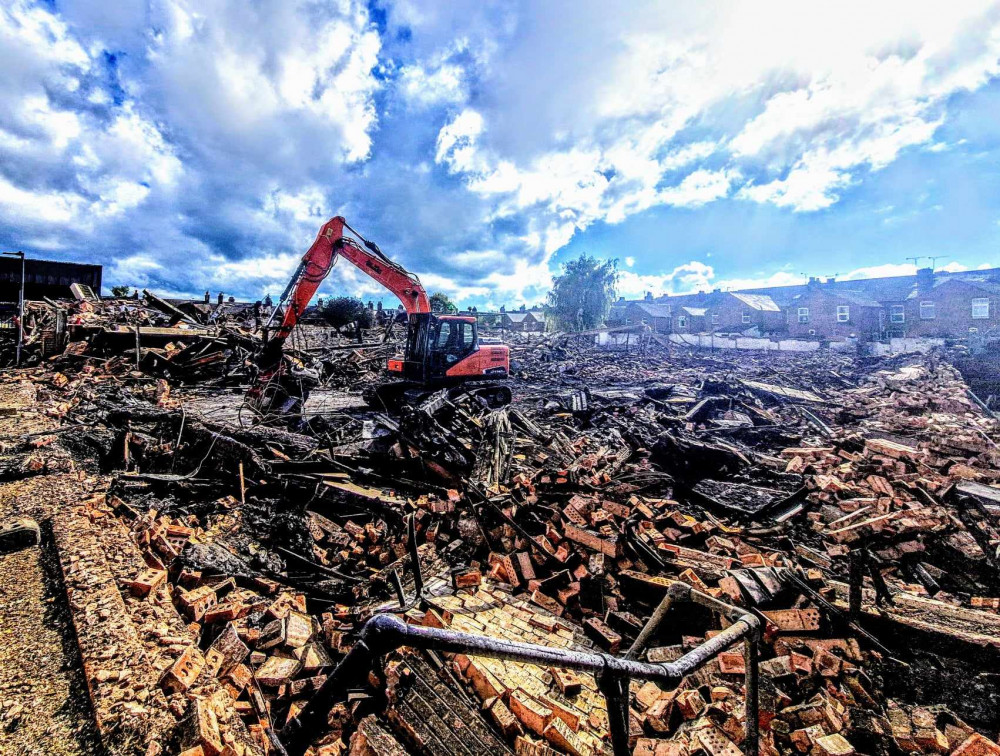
{"x":826,"y":313}
{"x":739,"y":312}
{"x":526,"y":321}
{"x":618,"y":314}
{"x":953,"y":307}
{"x":681,"y":315}
{"x":690,"y":319}
{"x":657,"y":316}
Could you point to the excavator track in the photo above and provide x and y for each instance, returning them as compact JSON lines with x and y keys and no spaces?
{"x":393,"y":397}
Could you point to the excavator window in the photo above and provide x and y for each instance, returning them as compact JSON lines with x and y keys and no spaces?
{"x":451,"y":341}
{"x":445,"y":335}
{"x":466,"y":337}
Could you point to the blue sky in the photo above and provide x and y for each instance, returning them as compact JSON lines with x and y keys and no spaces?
{"x":191,"y":145}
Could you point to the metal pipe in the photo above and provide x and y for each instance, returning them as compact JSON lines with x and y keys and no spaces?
{"x":386,"y":632}
{"x":615,"y":691}
{"x":393,"y":632}
{"x":311,"y":720}
{"x":675,"y":592}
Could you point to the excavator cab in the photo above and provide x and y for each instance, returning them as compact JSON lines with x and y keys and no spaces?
{"x":445,"y":349}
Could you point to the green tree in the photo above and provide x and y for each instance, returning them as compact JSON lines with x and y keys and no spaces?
{"x":581,"y":297}
{"x":441,"y":303}
{"x":120,"y":292}
{"x":341,"y":311}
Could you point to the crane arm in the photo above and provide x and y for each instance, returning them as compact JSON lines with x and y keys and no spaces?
{"x":319,"y":260}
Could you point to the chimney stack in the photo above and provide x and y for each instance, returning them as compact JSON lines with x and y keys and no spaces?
{"x":925,"y":280}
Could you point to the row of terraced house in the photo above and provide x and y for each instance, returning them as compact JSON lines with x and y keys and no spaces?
{"x":929,"y":304}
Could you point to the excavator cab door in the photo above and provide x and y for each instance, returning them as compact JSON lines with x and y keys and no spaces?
{"x":436,"y":343}
{"x":452,"y":339}
{"x":418,"y":335}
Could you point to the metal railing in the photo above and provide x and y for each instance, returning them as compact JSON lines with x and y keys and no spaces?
{"x":384,"y":633}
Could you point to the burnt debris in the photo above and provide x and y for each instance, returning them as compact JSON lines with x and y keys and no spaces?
{"x":666,"y":552}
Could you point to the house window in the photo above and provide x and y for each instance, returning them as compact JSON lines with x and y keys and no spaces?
{"x":898,"y":314}
{"x":715,"y":318}
{"x":927,"y":311}
{"x":682,"y":321}
{"x":803,"y":314}
{"x":843,"y":313}
{"x":980,"y":308}
{"x":746,"y":317}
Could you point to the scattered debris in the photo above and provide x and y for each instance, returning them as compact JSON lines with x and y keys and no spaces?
{"x":220,"y":573}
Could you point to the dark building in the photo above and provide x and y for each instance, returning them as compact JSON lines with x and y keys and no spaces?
{"x":45,"y":278}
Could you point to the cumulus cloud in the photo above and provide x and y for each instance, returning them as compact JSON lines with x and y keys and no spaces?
{"x":197,"y":156}
{"x":191,"y":145}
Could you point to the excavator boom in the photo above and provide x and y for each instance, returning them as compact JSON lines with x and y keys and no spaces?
{"x":440,"y":349}
{"x":318,"y":261}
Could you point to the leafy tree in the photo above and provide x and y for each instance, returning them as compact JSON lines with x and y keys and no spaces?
{"x":341,"y":311}
{"x":581,"y":297}
{"x":119,"y":292}
{"x":441,"y":303}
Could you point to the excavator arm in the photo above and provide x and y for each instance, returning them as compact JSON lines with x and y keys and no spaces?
{"x":319,"y":260}
{"x":442,"y":349}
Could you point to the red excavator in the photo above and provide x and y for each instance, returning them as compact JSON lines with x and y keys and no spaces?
{"x":441,"y":350}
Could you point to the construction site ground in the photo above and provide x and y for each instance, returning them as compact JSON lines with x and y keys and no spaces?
{"x":198,"y":578}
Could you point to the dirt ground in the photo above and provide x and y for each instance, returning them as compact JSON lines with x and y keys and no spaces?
{"x":44,"y":708}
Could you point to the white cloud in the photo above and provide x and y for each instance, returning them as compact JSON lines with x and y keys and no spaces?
{"x":841,"y":90}
{"x":778,"y":278}
{"x":209,"y":143}
{"x":690,"y":277}
{"x":444,"y":84}
{"x":42,"y":207}
{"x":456,"y":142}
{"x":698,"y":188}
{"x":472,"y":141}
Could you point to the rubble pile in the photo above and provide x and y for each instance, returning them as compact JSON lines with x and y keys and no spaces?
{"x":849,"y":504}
{"x":192,"y":343}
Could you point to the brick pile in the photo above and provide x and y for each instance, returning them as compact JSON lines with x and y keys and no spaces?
{"x":561,"y":520}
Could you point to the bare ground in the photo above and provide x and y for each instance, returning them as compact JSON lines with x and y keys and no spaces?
{"x":44,"y":706}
